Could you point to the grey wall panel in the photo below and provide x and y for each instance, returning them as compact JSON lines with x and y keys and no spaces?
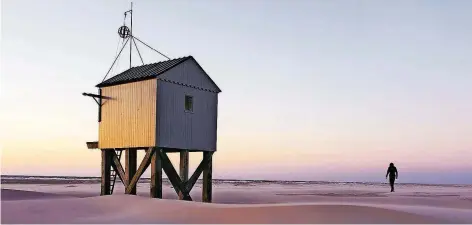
{"x":177,"y":128}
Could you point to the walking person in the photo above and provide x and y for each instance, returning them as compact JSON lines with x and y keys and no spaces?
{"x":392,"y":173}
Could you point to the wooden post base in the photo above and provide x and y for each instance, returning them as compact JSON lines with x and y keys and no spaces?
{"x":184,"y":155}
{"x":106,"y":172}
{"x":207,"y":179}
{"x":159,"y":162}
{"x":156,"y":175}
{"x":131,"y":156}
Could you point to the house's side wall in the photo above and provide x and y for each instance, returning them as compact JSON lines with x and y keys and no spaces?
{"x":129,"y":118}
{"x":189,"y":72}
{"x":177,"y":128}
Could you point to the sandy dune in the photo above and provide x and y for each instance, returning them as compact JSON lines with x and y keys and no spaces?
{"x":135,"y":209}
{"x":250,"y":203}
{"x":10,"y":195}
{"x":120,"y":208}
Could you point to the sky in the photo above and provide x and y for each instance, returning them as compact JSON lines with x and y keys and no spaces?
{"x":312,"y":90}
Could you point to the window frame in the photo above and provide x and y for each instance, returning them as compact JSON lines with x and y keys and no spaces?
{"x":190,"y":110}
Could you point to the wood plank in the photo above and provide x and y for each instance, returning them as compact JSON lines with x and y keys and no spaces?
{"x":142,"y":167}
{"x":207,"y":179}
{"x":116,"y":164}
{"x":201,"y":167}
{"x":92,"y":144}
{"x":183,"y":170}
{"x":106,"y":172}
{"x":156,"y":175}
{"x":131,"y":157}
{"x":173,"y":176}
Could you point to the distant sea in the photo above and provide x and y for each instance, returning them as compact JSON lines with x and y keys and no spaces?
{"x":25,"y":179}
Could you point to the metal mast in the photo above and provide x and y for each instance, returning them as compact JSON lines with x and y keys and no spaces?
{"x":131,"y":33}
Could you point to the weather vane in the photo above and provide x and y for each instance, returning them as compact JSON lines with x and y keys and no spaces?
{"x":124,"y":32}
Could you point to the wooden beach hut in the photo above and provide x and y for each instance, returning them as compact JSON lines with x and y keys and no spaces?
{"x":164,"y":107}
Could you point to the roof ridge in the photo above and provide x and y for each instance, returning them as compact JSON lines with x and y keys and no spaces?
{"x":134,"y":73}
{"x":189,"y":56}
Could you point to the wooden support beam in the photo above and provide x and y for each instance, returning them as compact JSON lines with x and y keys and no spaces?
{"x":184,"y":156}
{"x":131,"y":156}
{"x":201,"y":167}
{"x":173,"y":176}
{"x":116,"y":164}
{"x":174,"y":150}
{"x":142,"y":167}
{"x":106,"y":170}
{"x":207,"y":178}
{"x":99,"y":96}
{"x":156,"y":175}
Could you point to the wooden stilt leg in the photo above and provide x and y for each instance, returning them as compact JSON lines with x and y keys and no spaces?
{"x":131,"y":162}
{"x":156,"y":175}
{"x":106,"y":170}
{"x":184,"y":157}
{"x":207,"y":179}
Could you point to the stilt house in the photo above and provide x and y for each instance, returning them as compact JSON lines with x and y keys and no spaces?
{"x":169,"y":106}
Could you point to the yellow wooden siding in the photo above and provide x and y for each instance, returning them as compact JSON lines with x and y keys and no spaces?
{"x":129,"y":118}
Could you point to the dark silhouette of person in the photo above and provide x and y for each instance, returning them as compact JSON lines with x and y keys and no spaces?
{"x":392,"y":173}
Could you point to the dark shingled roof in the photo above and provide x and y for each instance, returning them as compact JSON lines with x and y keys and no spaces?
{"x":143,"y":72}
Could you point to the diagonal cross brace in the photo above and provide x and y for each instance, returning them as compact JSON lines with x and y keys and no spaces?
{"x":116,"y":164}
{"x":173,"y":176}
{"x":202,"y":166}
{"x":142,"y":167}
{"x":183,"y":188}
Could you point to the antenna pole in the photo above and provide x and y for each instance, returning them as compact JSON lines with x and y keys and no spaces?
{"x":131,"y":43}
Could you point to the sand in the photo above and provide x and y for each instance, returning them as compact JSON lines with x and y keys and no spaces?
{"x":80,"y":203}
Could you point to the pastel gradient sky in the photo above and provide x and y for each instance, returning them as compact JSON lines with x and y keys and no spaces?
{"x":312,"y":90}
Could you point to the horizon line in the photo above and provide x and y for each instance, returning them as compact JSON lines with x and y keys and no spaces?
{"x":254,"y":180}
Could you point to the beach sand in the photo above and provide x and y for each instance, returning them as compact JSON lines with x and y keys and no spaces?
{"x":239,"y":203}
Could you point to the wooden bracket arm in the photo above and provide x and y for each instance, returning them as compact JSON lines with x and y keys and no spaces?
{"x":96,"y":96}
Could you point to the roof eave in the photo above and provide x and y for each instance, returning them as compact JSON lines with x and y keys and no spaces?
{"x":101,"y":85}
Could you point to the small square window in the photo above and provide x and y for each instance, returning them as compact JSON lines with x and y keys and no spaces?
{"x":188,"y":103}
